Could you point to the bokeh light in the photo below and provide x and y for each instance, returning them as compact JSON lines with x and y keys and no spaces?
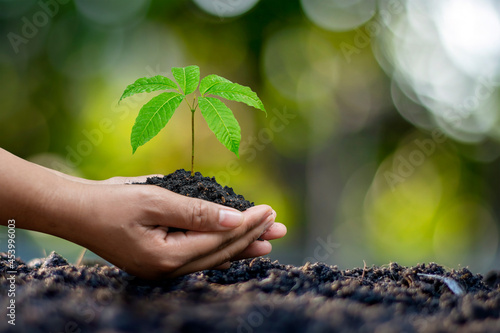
{"x":339,"y":15}
{"x":382,"y":132}
{"x":113,"y":13}
{"x":469,"y":33}
{"x":466,"y":235}
{"x":440,"y":62}
{"x":226,"y":8}
{"x":300,"y":64}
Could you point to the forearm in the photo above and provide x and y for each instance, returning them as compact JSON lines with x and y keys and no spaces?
{"x":68,"y":177}
{"x":35,"y":197}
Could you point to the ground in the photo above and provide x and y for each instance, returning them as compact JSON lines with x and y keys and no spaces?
{"x":252,"y":296}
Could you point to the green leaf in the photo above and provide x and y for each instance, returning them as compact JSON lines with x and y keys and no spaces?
{"x":209,"y":81}
{"x":187,"y":78}
{"x":219,"y":86}
{"x":148,"y":84}
{"x":153,"y":116}
{"x":221,"y":121}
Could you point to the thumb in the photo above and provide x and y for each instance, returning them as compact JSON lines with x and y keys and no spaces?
{"x":128,"y":180}
{"x":201,"y":215}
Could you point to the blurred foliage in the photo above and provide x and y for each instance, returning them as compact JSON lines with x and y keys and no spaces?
{"x":350,"y":91}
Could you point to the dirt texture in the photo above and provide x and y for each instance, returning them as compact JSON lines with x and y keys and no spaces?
{"x":252,"y":296}
{"x":205,"y":188}
{"x":200,"y":187}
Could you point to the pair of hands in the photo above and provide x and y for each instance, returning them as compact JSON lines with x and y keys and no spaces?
{"x":128,"y":225}
{"x":129,"y":228}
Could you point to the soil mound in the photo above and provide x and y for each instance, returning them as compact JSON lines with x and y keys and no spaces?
{"x":205,"y":188}
{"x":252,"y":296}
{"x":52,"y":295}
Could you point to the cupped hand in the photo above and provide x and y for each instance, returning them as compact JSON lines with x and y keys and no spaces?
{"x":129,"y":227}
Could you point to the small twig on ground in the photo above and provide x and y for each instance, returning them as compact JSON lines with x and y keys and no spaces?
{"x":364,"y":270}
{"x":450,"y":283}
{"x":80,"y":257}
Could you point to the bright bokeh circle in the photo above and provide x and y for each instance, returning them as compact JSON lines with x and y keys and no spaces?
{"x":226,"y":8}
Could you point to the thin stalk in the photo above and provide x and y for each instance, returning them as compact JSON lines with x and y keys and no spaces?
{"x":192,"y":143}
{"x":193,"y":109}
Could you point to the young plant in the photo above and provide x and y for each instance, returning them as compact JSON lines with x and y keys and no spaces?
{"x":156,"y":113}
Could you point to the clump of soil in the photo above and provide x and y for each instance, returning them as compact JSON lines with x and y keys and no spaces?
{"x":200,"y":187}
{"x":252,"y":296}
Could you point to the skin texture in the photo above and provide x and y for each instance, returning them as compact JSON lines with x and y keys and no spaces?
{"x":128,"y":224}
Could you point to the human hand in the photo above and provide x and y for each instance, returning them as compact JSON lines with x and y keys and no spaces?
{"x":128,"y":225}
{"x":277,"y":230}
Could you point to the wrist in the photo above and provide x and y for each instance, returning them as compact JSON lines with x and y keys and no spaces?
{"x":38,"y":199}
{"x":58,"y":209}
{"x":100,"y":211}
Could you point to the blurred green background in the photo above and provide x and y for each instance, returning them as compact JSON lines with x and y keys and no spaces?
{"x":382,"y":140}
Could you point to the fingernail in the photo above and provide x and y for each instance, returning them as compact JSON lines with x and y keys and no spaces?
{"x":230,"y":219}
{"x":269,"y":222}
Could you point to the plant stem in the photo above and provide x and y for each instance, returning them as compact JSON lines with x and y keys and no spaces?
{"x":192,"y":142}
{"x":193,"y":109}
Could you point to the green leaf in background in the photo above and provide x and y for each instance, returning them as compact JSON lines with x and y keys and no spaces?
{"x":153,"y":116}
{"x":209,"y":81}
{"x":219,"y":86}
{"x":221,"y":121}
{"x":187,"y":78}
{"x":148,"y":84}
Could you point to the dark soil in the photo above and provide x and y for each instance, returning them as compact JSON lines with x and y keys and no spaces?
{"x":252,"y":296}
{"x":200,"y":187}
{"x":205,"y":188}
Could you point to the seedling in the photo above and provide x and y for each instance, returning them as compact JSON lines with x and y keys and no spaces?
{"x":155,"y":114}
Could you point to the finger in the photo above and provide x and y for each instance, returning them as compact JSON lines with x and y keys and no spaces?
{"x":139,"y":179}
{"x":263,"y":248}
{"x":224,"y":266}
{"x":277,"y":230}
{"x":211,"y":249}
{"x":200,"y":244}
{"x":195,"y":214}
{"x":129,"y":180}
{"x":255,"y":249}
